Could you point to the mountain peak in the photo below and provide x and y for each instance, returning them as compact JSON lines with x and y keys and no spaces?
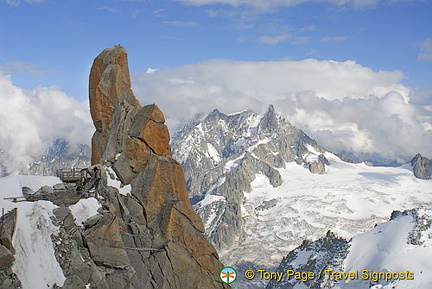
{"x":270,"y":109}
{"x":422,"y":167}
{"x":269,"y":120}
{"x":215,"y":115}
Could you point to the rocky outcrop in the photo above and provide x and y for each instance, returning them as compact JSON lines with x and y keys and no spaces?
{"x":8,"y":279}
{"x":318,"y":166}
{"x":422,"y":167}
{"x":160,"y":243}
{"x":311,"y":256}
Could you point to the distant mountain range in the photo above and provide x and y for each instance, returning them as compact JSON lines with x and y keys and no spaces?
{"x":61,"y":154}
{"x":262,"y":186}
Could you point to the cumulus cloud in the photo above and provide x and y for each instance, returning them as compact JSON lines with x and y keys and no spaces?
{"x":343,"y":105}
{"x":31,"y":120}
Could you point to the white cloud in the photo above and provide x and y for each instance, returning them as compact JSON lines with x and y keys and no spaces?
{"x":274,"y":39}
{"x":343,"y":105}
{"x":30,"y":120}
{"x":13,"y":3}
{"x":151,"y":70}
{"x":425,"y":56}
{"x":180,"y":23}
{"x":16,"y":3}
{"x":426,"y":50}
{"x":271,"y":4}
{"x":334,"y":38}
{"x":20,"y":66}
{"x":426,"y":45}
{"x":110,"y":9}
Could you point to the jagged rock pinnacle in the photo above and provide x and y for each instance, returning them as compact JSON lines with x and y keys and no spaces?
{"x":109,"y":85}
{"x":134,"y":141}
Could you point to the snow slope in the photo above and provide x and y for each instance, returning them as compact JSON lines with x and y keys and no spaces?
{"x":35,"y":263}
{"x":395,"y":254}
{"x":349,"y":199}
{"x":390,"y":247}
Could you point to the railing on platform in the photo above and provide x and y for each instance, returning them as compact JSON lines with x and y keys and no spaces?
{"x":70,"y":175}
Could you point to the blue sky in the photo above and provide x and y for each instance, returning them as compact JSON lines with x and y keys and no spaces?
{"x":356,"y":75}
{"x":53,"y":42}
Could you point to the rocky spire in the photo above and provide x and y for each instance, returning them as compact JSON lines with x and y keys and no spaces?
{"x":109,"y":87}
{"x":422,"y":167}
{"x":134,"y":141}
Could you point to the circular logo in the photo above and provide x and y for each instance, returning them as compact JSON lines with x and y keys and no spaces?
{"x":228,"y":275}
{"x":249,"y":274}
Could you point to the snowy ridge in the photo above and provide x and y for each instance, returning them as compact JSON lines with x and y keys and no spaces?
{"x":35,"y":262}
{"x":394,"y":254}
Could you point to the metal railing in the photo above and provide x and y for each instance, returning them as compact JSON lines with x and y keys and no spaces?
{"x":70,"y":175}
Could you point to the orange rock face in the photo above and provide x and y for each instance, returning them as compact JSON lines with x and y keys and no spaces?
{"x":138,"y":153}
{"x":134,"y":141}
{"x":109,"y":86}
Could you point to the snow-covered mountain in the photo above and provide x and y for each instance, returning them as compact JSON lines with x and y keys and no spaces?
{"x":221,"y":156}
{"x":61,"y":154}
{"x":394,"y":254}
{"x":262,"y":186}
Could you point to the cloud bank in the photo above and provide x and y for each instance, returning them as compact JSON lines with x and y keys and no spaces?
{"x":31,"y":120}
{"x":343,"y":105}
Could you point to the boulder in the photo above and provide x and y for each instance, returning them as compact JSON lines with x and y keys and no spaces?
{"x":73,"y":282}
{"x":105,"y":243}
{"x":318,"y":167}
